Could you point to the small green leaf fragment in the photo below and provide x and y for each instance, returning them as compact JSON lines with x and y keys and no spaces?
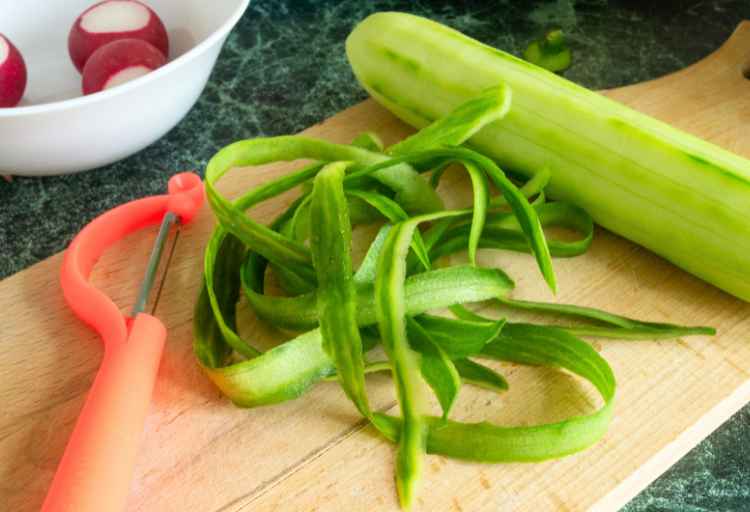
{"x":549,"y":52}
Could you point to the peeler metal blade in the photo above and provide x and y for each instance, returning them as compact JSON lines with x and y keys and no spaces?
{"x":169,"y":220}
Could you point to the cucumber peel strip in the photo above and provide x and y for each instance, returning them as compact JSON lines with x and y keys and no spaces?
{"x":342,"y":313}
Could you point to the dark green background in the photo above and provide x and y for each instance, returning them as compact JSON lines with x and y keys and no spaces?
{"x":284,"y":69}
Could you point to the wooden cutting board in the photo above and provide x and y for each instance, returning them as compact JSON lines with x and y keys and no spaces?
{"x":201,"y":453}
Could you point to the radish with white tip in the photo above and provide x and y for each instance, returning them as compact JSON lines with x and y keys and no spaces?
{"x":112,"y":20}
{"x":12,"y":74}
{"x":119,"y":62}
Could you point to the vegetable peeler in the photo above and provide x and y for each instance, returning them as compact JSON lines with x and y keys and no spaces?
{"x":95,"y":470}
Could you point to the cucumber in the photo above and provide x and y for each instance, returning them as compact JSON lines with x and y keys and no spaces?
{"x":673,"y":193}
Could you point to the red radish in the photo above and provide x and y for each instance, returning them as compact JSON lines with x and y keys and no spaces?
{"x":12,"y":74}
{"x":112,"y":20}
{"x":119,"y":62}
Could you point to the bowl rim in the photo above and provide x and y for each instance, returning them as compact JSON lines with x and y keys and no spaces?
{"x":80,"y":101}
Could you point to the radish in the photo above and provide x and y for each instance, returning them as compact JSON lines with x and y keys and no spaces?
{"x":119,"y":62}
{"x":112,"y":20}
{"x":12,"y":74}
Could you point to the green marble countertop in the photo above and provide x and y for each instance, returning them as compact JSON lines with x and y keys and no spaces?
{"x":284,"y":68}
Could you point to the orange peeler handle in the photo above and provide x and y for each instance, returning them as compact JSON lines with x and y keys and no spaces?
{"x":95,"y":471}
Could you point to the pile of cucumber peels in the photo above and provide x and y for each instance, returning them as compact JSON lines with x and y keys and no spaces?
{"x":392,"y":298}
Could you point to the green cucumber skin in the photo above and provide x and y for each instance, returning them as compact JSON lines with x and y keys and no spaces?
{"x":681,"y":197}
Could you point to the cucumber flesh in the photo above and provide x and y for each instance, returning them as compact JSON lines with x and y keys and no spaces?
{"x":671,"y":192}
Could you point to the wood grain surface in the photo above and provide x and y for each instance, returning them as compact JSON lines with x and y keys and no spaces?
{"x":201,"y":453}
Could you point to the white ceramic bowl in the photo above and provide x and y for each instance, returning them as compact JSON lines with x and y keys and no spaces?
{"x":56,"y":130}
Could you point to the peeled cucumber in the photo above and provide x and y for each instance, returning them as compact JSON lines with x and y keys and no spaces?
{"x":681,"y":197}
